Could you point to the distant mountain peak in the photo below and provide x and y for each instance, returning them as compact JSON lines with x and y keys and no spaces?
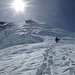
{"x":30,"y":21}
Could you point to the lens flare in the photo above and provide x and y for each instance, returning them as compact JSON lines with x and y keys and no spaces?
{"x":18,"y":5}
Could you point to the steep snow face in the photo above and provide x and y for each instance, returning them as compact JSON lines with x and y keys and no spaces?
{"x":25,"y":33}
{"x":30,"y":49}
{"x":19,"y":34}
{"x":20,"y":38}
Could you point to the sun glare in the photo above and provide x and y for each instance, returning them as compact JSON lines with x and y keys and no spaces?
{"x":18,"y":5}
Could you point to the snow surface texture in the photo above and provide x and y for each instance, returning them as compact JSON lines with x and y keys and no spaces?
{"x":30,"y":49}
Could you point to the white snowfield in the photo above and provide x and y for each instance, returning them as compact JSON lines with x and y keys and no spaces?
{"x":30,"y":49}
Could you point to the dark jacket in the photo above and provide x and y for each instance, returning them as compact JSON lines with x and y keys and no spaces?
{"x":57,"y":39}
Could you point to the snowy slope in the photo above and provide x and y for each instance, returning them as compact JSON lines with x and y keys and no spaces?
{"x":30,"y":49}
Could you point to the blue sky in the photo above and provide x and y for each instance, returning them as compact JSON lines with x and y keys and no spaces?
{"x":60,"y":13}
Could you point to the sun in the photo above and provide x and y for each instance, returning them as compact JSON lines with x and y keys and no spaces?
{"x":18,"y":5}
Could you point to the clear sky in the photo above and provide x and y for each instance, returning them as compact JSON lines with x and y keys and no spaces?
{"x":60,"y":13}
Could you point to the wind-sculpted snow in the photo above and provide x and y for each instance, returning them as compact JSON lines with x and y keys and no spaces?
{"x":19,"y":34}
{"x":20,"y":38}
{"x":25,"y":33}
{"x":47,"y":58}
{"x":30,"y":49}
{"x":54,"y":32}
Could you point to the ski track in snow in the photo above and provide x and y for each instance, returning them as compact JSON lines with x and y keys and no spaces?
{"x":40,"y":58}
